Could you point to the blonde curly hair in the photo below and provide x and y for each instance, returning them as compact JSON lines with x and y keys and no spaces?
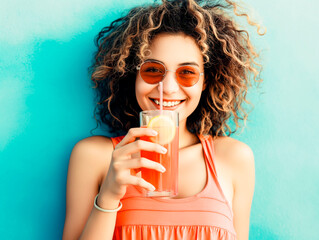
{"x":229,"y":62}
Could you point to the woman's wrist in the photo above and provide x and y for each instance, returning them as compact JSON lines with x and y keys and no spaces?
{"x":106,"y":201}
{"x":106,"y":210}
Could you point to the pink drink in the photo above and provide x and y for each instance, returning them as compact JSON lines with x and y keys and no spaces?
{"x":165,"y":183}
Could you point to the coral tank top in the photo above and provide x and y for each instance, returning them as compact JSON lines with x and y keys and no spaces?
{"x":206,"y":215}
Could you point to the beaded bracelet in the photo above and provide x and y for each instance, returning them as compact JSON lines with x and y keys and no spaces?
{"x":106,"y":210}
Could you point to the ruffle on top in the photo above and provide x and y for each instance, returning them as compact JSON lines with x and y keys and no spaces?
{"x":141,"y":232}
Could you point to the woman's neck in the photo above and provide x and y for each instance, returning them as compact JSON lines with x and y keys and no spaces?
{"x":186,"y":138}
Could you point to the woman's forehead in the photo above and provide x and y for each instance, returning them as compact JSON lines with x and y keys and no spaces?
{"x":174,"y":48}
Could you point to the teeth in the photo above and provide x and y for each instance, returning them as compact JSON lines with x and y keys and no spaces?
{"x":168,"y":104}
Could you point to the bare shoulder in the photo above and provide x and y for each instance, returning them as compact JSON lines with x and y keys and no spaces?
{"x":94,"y":143}
{"x":97,"y":147}
{"x":237,"y":157}
{"x":92,"y":154}
{"x":234,"y":151}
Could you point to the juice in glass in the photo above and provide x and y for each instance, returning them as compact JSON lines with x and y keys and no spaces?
{"x":167,"y":127}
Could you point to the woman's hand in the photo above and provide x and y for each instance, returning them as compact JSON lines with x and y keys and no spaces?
{"x":119,"y":173}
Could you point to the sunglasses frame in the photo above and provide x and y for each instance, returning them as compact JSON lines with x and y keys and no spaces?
{"x":138,"y":68}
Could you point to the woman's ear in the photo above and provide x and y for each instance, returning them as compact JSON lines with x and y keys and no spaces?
{"x":204,"y":87}
{"x":205,"y":83}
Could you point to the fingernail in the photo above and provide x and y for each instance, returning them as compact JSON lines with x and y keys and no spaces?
{"x":152,"y":188}
{"x":163,"y":169}
{"x":163,"y":150}
{"x":154,"y":133}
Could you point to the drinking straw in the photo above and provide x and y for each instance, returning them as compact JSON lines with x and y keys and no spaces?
{"x":161,"y":97}
{"x":161,"y":156}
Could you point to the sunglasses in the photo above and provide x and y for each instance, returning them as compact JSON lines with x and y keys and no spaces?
{"x":154,"y":72}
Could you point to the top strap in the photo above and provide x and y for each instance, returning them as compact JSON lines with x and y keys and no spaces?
{"x":116,"y":140}
{"x":208,"y":147}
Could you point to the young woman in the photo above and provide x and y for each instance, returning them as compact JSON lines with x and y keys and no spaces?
{"x":216,"y":172}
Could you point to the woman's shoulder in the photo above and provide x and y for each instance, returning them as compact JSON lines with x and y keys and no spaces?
{"x":236,"y":160}
{"x":95,"y":145}
{"x":234,"y":153}
{"x":92,"y":153}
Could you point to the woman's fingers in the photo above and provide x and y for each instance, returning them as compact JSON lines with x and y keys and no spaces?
{"x":138,"y":181}
{"x":138,"y":163}
{"x":130,"y":145}
{"x":124,"y":178}
{"x":137,"y":146}
{"x":124,"y":162}
{"x":134,"y":133}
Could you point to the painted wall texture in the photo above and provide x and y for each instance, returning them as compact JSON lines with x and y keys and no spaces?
{"x":46,"y":106}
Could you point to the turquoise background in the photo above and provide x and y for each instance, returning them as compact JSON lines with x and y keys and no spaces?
{"x":46,"y":106}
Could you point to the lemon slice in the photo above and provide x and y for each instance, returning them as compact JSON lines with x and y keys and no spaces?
{"x":165,"y":127}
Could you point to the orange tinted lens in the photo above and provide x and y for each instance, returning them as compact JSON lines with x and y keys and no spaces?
{"x":187,"y":76}
{"x":152,"y":72}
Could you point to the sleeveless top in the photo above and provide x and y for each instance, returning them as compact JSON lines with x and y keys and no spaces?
{"x":206,"y":215}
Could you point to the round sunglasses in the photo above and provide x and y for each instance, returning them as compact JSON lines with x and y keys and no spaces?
{"x":154,"y":72}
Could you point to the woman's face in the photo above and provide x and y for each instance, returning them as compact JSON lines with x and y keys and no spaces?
{"x":173,"y":50}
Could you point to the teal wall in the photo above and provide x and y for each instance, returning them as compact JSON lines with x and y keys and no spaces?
{"x":46,"y":106}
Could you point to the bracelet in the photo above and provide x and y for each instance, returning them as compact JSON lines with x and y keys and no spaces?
{"x":106,"y":210}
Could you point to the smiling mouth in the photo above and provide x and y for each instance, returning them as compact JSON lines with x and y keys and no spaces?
{"x":167,"y":103}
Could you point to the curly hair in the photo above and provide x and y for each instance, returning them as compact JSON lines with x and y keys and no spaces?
{"x":229,"y":63}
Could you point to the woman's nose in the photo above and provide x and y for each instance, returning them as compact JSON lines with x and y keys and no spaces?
{"x":170,"y":85}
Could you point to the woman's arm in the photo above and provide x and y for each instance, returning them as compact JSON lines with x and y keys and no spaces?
{"x":244,"y":182}
{"x":89,"y":163}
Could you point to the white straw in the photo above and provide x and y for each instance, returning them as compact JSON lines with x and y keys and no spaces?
{"x":161,"y":97}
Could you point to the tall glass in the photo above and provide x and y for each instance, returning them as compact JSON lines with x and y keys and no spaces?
{"x":166,"y":124}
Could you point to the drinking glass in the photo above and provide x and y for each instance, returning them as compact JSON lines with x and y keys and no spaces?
{"x":166,"y":124}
